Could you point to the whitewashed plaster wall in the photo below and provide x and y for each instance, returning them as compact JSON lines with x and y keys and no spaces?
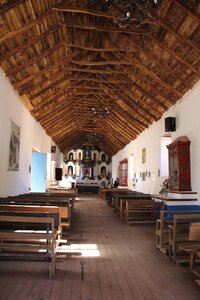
{"x":187,"y":114}
{"x":31,"y":135}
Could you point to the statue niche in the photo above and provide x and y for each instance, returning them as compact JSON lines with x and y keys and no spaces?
{"x":70,"y":170}
{"x":71,"y":157}
{"x":87,"y":154}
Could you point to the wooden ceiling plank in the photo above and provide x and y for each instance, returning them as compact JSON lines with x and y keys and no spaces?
{"x":173,"y":54}
{"x":162,"y":64}
{"x":119,"y":118}
{"x":141,"y":125}
{"x":53,"y":119}
{"x":42,"y":81}
{"x":32,"y":61}
{"x":134,"y":106}
{"x":181,"y":38}
{"x":44,"y":71}
{"x":47,"y":114}
{"x":118,"y":133}
{"x":9,"y":5}
{"x":134,"y":125}
{"x":25,"y":27}
{"x":153,"y":106}
{"x":148,"y":95}
{"x":153,"y":75}
{"x":54,"y":133}
{"x":29,"y":43}
{"x":187,"y":9}
{"x":69,"y":118}
{"x":53,"y":84}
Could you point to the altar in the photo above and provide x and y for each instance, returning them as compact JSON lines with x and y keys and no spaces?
{"x":90,"y":186}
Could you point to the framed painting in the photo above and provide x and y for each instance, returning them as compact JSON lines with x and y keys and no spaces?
{"x":13,"y":163}
{"x":144,"y":155}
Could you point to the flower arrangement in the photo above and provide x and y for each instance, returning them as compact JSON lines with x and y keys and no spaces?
{"x":164,"y":186}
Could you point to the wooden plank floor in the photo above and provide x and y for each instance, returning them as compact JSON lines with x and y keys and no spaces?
{"x":129,"y":267}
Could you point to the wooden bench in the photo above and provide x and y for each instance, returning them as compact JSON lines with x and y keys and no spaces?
{"x":28,"y":243}
{"x":192,"y":247}
{"x":69,"y":195}
{"x":162,"y":229}
{"x":32,"y":208}
{"x":63,"y":204}
{"x":141,"y":211}
{"x":179,"y":234}
{"x":111,"y":193}
{"x":134,"y":196}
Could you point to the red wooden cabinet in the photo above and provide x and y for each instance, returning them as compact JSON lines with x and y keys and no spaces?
{"x":123,"y":172}
{"x":179,"y":166}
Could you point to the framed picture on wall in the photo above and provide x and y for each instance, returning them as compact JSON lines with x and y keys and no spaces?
{"x":144,"y":155}
{"x":13,"y":163}
{"x":143,"y":176}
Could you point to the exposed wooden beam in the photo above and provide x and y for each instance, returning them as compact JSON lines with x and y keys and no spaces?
{"x":106,"y":29}
{"x":99,"y":80}
{"x":93,"y":71}
{"x":100,"y":63}
{"x":93,"y":49}
{"x":80,"y":10}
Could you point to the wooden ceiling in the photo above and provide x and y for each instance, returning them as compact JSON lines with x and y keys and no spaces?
{"x":66,"y":57}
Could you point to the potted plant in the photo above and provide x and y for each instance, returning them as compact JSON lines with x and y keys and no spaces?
{"x":164,"y":187}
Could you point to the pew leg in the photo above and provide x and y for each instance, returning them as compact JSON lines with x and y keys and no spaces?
{"x":52,"y":267}
{"x":192,"y":259}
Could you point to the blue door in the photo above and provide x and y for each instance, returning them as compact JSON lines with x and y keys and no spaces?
{"x":38,"y":172}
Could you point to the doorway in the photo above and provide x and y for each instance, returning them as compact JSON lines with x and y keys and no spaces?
{"x":38,"y":172}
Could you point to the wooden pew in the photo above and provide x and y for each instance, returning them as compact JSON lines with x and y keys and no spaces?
{"x":192,"y":247}
{"x":179,"y":233}
{"x":45,"y":199}
{"x":70,"y":194}
{"x":104,"y":192}
{"x":28,"y":243}
{"x":131,"y":196}
{"x":162,"y":229}
{"x":32,"y":208}
{"x":56,"y":198}
{"x":141,"y":211}
{"x":110,"y":194}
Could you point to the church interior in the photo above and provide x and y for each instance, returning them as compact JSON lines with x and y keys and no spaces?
{"x":100,"y":149}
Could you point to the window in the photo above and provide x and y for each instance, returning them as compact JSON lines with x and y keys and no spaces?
{"x":164,"y":163}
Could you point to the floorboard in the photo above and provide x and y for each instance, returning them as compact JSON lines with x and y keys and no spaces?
{"x":129,"y":267}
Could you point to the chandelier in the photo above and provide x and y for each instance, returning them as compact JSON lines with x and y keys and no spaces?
{"x":100,"y":111}
{"x":93,"y":137}
{"x":130,"y":12}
